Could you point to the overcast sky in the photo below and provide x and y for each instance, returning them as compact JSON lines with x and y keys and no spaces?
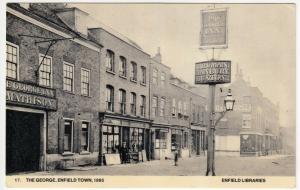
{"x":262,"y":40}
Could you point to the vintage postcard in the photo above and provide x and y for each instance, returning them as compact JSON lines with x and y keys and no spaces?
{"x":150,"y":95}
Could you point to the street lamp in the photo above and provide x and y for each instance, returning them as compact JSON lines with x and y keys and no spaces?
{"x":228,"y":105}
{"x":229,"y":101}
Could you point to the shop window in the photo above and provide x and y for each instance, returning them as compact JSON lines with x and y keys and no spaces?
{"x":154,"y":106}
{"x":185,"y":140}
{"x":173,"y":107}
{"x":163,"y":79}
{"x":176,"y":141}
{"x":85,"y":82}
{"x":154,"y":76}
{"x":123,"y":66}
{"x":122,"y":100}
{"x":144,"y":74}
{"x":143,"y":106}
{"x":162,"y":106}
{"x":84,"y":136}
{"x":141,"y":140}
{"x":133,"y":76}
{"x":133,"y":103}
{"x":110,"y":61}
{"x":109,"y":98}
{"x":45,"y":71}
{"x":160,"y":139}
{"x":12,"y":59}
{"x":68,"y":136}
{"x":111,"y":139}
{"x":134,"y":139}
{"x":68,"y":77}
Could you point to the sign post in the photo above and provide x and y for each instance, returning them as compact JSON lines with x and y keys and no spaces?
{"x":213,"y":35}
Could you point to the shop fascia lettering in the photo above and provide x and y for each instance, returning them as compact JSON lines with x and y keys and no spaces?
{"x":28,"y":88}
{"x":30,"y":99}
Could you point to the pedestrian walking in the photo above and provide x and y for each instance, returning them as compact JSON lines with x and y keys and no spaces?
{"x":176,"y":156}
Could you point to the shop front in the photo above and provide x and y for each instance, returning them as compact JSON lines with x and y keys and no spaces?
{"x":198,"y":145}
{"x":160,"y":142}
{"x":123,"y":139}
{"x":27,"y":107}
{"x":251,"y":144}
{"x":179,"y":141}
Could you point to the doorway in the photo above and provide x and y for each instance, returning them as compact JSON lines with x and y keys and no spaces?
{"x":23,"y":145}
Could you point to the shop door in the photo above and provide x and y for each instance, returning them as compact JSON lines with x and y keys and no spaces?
{"x":22,"y":141}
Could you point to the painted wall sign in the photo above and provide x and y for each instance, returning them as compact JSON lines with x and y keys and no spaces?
{"x":213,"y":72}
{"x":30,"y":95}
{"x":213,"y":28}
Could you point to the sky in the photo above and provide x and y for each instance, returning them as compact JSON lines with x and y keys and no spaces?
{"x":261,"y":40}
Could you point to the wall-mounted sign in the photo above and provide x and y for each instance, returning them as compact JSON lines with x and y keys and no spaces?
{"x":213,"y":28}
{"x":30,"y":95}
{"x":213,"y":72}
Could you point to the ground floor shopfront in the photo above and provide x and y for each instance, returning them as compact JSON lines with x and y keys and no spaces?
{"x":168,"y":139}
{"x":198,"y":140}
{"x":123,"y":139}
{"x":257,"y":144}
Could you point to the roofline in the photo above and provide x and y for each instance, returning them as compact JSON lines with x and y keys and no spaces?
{"x":120,"y":39}
{"x":188,"y":90}
{"x":51,"y":26}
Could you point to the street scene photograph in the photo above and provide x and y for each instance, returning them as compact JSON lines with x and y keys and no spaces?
{"x":150,"y":89}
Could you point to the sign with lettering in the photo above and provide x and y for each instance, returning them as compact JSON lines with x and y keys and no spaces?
{"x":30,"y":95}
{"x":213,"y":28}
{"x":213,"y":72}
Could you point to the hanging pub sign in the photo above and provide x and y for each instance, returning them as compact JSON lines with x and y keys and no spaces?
{"x":213,"y":32}
{"x":213,"y":72}
{"x":30,"y":95}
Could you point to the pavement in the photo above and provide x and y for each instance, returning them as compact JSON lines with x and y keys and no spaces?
{"x":273,"y":165}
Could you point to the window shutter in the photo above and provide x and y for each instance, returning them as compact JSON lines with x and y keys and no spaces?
{"x":79,"y":136}
{"x":61,"y":132}
{"x":91,"y":136}
{"x":76,"y":136}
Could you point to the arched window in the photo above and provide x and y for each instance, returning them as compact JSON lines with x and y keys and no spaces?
{"x":122,"y":66}
{"x":133,"y":76}
{"x":133,"y":103}
{"x":109,"y":98}
{"x":122,"y":100}
{"x":143,"y":106}
{"x":110,"y":61}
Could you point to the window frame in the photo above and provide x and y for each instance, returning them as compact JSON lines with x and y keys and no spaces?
{"x":143,"y":106}
{"x":133,"y":97}
{"x":51,"y":70}
{"x":18,"y":60}
{"x":72,"y":135}
{"x":162,"y":107}
{"x":73,"y":77}
{"x":144,"y":75}
{"x":88,"y":135}
{"x":154,"y":108}
{"x":124,"y":73}
{"x":133,"y":75}
{"x":112,"y":95}
{"x":112,"y":69}
{"x":121,"y":100}
{"x":89,"y":81}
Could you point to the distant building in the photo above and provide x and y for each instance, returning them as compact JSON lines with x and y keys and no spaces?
{"x":178,"y":114}
{"x":252,"y":129}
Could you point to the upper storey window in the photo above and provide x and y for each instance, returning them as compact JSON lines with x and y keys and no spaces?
{"x":45,"y":70}
{"x":110,"y":61}
{"x":11,"y":60}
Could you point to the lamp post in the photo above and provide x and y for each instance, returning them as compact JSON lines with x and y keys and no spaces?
{"x":228,"y":105}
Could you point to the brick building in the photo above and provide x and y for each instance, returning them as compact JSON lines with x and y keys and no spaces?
{"x":52,"y":92}
{"x":252,"y":128}
{"x":77,"y":95}
{"x":124,"y":95}
{"x":177,"y":111}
